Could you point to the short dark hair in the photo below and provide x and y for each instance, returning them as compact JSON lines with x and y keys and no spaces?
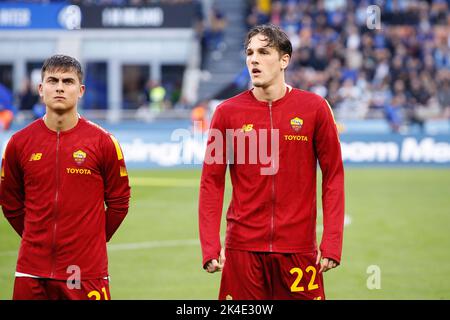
{"x":61,"y":62}
{"x":276,"y":38}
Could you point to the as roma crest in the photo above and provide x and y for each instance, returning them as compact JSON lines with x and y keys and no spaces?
{"x":296,"y":124}
{"x":79,"y":157}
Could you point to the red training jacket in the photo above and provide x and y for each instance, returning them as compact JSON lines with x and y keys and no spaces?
{"x":273,"y":213}
{"x":53,"y":191}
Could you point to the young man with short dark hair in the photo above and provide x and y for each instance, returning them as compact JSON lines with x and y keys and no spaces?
{"x":271,"y":250}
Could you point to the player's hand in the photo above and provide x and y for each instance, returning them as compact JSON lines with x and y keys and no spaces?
{"x":215,"y":265}
{"x":325,"y":263}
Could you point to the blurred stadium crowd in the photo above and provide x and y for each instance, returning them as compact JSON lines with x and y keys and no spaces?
{"x":370,"y":59}
{"x":111,"y":2}
{"x":399,"y":69}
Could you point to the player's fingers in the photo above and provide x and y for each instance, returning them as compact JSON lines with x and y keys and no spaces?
{"x":212,"y":266}
{"x":328,"y":266}
{"x":335,"y":264}
{"x":332,"y":264}
{"x":319,"y":255}
{"x":324,"y":265}
{"x":222,"y":256}
{"x":220,"y":265}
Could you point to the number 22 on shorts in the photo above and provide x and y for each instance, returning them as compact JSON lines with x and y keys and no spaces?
{"x":311,"y":285}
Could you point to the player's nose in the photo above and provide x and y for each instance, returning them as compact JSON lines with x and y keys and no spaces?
{"x":59,"y":86}
{"x":254,"y":60}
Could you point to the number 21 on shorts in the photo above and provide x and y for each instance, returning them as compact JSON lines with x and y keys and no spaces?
{"x":97,"y":296}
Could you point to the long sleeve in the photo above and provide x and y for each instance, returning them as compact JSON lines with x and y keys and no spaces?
{"x":328,"y":151}
{"x":212,"y":188}
{"x":117,"y":189}
{"x":12,"y":194}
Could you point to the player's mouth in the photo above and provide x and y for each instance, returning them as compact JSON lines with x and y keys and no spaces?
{"x":256,"y":72}
{"x":60,"y":98}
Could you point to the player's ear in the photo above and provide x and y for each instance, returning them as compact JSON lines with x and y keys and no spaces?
{"x":40,"y":89}
{"x":285,"y":58}
{"x":82,"y":89}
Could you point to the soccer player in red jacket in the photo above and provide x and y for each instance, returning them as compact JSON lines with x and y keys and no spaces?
{"x":272,"y":137}
{"x":58,"y":173}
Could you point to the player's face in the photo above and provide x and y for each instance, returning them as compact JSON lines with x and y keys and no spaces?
{"x":265,"y":64}
{"x":60,"y":90}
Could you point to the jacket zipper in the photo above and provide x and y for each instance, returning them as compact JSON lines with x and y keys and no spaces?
{"x":55,"y":211}
{"x":272,"y":220}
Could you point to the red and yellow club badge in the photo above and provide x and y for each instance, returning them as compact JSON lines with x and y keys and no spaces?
{"x":79,"y":157}
{"x":296,"y":124}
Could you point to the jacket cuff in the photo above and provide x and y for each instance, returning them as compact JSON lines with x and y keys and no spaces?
{"x":207,"y":259}
{"x":330,"y":255}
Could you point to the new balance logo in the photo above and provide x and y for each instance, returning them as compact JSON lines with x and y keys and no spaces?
{"x":247,"y":128}
{"x":36,"y":157}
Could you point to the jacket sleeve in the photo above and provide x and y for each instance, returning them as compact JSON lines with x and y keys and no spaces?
{"x":212,"y":186}
{"x":328,"y":151}
{"x":12,"y":195}
{"x":116,"y":185}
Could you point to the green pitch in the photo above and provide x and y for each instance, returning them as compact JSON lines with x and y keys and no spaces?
{"x":397,"y":223}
